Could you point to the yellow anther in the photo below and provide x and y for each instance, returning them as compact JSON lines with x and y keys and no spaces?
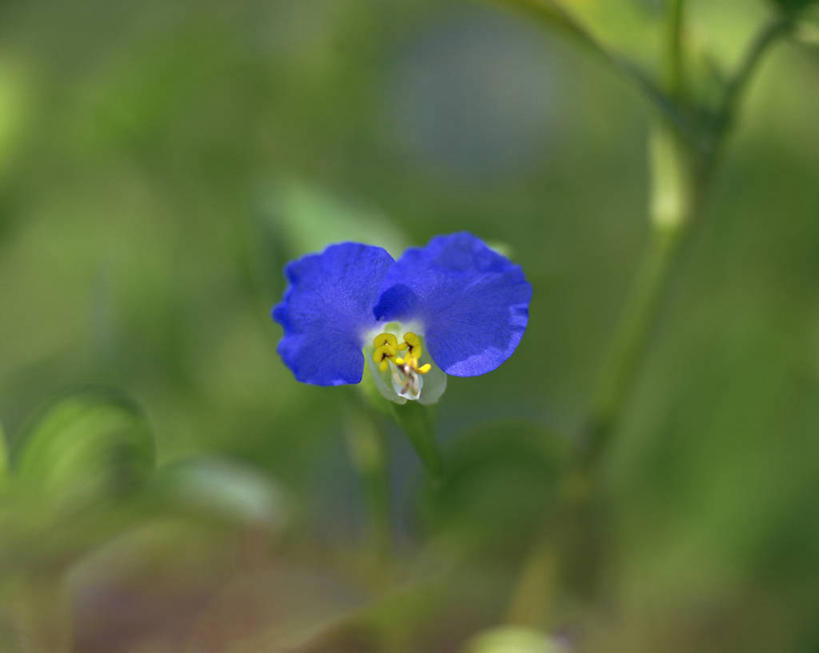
{"x":386,"y":339}
{"x":387,"y":349}
{"x":382,"y":354}
{"x":414,"y":343}
{"x":412,"y":362}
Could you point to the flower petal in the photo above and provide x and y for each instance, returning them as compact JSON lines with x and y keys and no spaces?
{"x":327,"y":310}
{"x":473,"y":302}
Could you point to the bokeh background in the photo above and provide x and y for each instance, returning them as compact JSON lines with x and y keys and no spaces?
{"x":160,"y":163}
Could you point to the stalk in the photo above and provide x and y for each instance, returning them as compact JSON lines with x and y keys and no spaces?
{"x":417,"y":422}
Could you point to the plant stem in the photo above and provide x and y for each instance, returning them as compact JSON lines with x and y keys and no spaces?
{"x":555,"y":14}
{"x":765,"y":38}
{"x":681,"y":170}
{"x":368,"y":451}
{"x":675,"y":64}
{"x":675,"y":164}
{"x":680,"y":174}
{"x":416,"y":421}
{"x":630,"y":338}
{"x":4,"y":459}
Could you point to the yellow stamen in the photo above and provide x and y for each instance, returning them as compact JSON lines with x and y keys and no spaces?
{"x":385,"y":339}
{"x":383,"y":353}
{"x":387,"y":349}
{"x":414,"y":344}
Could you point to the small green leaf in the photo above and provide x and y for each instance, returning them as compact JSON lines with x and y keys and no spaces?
{"x":308,"y":218}
{"x":83,"y":448}
{"x":512,"y":639}
{"x":223,"y":490}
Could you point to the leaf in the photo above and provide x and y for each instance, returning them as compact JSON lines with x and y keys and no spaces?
{"x":87,"y":447}
{"x":489,"y":468}
{"x":222,"y":489}
{"x":513,"y":639}
{"x":308,"y":219}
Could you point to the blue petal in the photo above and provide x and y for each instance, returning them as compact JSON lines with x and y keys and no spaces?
{"x":327,"y":310}
{"x":473,"y":302}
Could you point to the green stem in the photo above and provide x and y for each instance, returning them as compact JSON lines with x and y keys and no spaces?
{"x":676,"y":190}
{"x":554,"y":14}
{"x":4,"y":459}
{"x":681,"y":170}
{"x":680,"y":174}
{"x":767,"y":36}
{"x":675,"y":72}
{"x":677,"y":182}
{"x":417,"y":422}
{"x":368,"y":451}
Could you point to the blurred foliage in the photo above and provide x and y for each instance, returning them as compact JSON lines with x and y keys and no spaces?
{"x":161,"y":162}
{"x":83,"y":448}
{"x":793,"y":6}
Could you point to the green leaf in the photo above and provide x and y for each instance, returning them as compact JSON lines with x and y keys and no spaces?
{"x":84,"y":448}
{"x":512,"y":639}
{"x":308,"y":218}
{"x":223,"y":490}
{"x":488,"y":469}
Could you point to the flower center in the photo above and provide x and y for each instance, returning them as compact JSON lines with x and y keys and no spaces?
{"x":387,"y":349}
{"x":406,"y":371}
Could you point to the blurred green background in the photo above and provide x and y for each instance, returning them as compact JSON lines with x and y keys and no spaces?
{"x":178,"y":490}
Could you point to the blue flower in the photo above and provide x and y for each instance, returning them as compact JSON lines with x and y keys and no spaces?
{"x":463,"y":303}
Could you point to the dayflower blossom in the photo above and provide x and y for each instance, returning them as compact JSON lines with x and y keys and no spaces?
{"x":454,"y":307}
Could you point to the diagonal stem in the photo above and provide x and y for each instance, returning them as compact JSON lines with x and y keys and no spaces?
{"x":767,"y":36}
{"x":553,"y":13}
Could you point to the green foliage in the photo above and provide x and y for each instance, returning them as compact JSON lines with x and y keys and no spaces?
{"x":487,"y":470}
{"x":512,"y":640}
{"x":4,"y":458}
{"x":83,"y":449}
{"x":307,"y":219}
{"x":217,"y":489}
{"x":793,"y":6}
